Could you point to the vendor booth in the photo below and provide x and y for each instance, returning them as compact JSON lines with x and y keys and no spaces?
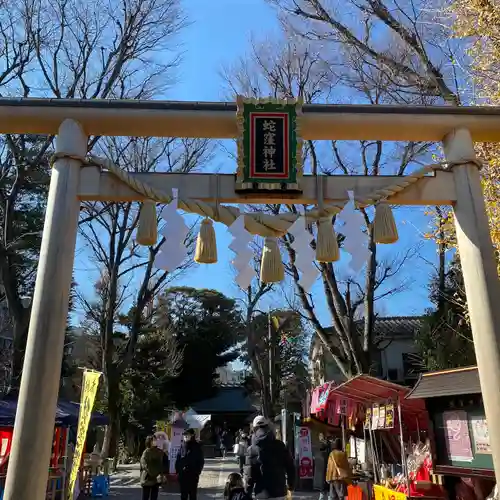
{"x":319,"y":418}
{"x":196,"y":421}
{"x":67,"y":413}
{"x":461,"y":450}
{"x":384,"y":434}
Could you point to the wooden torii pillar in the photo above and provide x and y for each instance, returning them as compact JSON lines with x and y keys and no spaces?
{"x":74,"y":121}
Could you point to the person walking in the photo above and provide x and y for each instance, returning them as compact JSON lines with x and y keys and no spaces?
{"x":242,"y":451}
{"x":152,"y":467}
{"x":338,"y":472}
{"x":189,"y":465}
{"x":218,"y":441}
{"x":269,"y":467}
{"x":325,"y":450}
{"x":226,"y":442}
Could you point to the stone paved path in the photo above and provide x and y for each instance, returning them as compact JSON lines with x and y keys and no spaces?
{"x":125,"y":483}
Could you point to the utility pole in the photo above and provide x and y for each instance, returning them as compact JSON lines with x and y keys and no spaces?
{"x":271,"y":356}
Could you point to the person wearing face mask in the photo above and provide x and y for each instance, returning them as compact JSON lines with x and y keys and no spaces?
{"x":152,"y":467}
{"x":189,"y":465}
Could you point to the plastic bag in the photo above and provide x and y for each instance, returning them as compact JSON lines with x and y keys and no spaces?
{"x":494,"y":493}
{"x":236,"y":448}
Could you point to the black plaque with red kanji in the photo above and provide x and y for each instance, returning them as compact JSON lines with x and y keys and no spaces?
{"x":269,"y":151}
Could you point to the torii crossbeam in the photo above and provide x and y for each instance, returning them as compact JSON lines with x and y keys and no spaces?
{"x":75,"y":120}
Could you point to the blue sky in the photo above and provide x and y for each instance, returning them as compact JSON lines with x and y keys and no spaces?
{"x":219,"y":34}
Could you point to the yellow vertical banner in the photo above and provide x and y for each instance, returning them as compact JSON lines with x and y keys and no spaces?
{"x":161,"y":426}
{"x":89,"y":391}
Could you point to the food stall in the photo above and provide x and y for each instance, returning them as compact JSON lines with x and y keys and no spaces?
{"x":393,"y":457}
{"x":67,"y":413}
{"x":460,"y":444}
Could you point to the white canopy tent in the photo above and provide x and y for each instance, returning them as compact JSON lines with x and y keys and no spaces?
{"x":196,"y":421}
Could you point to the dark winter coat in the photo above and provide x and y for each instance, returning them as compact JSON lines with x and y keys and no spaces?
{"x":325,"y":449}
{"x":227,"y":440}
{"x":190,"y":460}
{"x":238,"y":494}
{"x":152,"y":466}
{"x":269,"y":466}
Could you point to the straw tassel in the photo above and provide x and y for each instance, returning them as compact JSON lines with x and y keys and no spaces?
{"x":206,"y":245}
{"x":327,"y":247}
{"x":271,"y":266}
{"x":384,"y":226}
{"x":147,"y":228}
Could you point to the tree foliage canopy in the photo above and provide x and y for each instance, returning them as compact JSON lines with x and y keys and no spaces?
{"x":67,"y":49}
{"x":207,"y":327}
{"x":445,"y":340}
{"x":147,"y":385}
{"x":477,"y":22}
{"x":288,"y":337}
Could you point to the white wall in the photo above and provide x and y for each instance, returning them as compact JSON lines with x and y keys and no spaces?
{"x":229,"y":376}
{"x":392,"y":356}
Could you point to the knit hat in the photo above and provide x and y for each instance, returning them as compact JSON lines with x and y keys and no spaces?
{"x":259,"y":421}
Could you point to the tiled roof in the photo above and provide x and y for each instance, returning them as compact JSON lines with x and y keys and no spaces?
{"x":391,"y":326}
{"x":385,"y":327}
{"x":447,"y":383}
{"x":229,"y":399}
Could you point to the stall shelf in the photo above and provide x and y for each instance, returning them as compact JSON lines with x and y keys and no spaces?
{"x":459,"y":430}
{"x":409,"y":421}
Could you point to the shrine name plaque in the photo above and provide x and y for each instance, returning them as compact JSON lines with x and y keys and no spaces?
{"x":269,"y":146}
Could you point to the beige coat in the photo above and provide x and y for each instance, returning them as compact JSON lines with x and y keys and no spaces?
{"x":338,"y":466}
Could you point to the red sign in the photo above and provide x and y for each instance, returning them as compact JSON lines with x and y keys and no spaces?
{"x":305,"y":468}
{"x":5,"y":444}
{"x":305,"y":453}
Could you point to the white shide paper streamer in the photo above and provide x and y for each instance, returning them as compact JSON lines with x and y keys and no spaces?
{"x":304,"y":254}
{"x":173,"y":251}
{"x":356,"y":242}
{"x":243,"y":254}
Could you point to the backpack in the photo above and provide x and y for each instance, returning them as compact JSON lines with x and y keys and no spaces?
{"x":264,"y":461}
{"x":155,"y":463}
{"x":271,"y":468}
{"x":239,"y":495}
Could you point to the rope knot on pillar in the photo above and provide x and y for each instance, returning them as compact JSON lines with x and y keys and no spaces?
{"x":448,"y":166}
{"x":459,"y":149}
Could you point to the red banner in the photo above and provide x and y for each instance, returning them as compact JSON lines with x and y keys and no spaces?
{"x":5,"y":444}
{"x":319,"y":399}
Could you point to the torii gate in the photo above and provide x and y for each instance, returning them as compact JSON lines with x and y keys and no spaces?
{"x":75,"y":120}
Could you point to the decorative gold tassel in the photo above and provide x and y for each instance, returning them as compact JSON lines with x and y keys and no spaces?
{"x":271,"y":265}
{"x":206,"y":245}
{"x":327,"y":247}
{"x":147,"y":230}
{"x":384,"y":226}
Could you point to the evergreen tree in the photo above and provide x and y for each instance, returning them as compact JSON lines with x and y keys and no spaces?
{"x":207,"y":327}
{"x":146,"y":386}
{"x":288,"y":372}
{"x":24,"y":181}
{"x":445,"y":340}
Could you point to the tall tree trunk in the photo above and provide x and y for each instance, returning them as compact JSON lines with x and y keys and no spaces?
{"x":20,"y":335}
{"x":266,"y":402}
{"x":441,"y":298}
{"x":112,"y":434}
{"x":369,"y":304}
